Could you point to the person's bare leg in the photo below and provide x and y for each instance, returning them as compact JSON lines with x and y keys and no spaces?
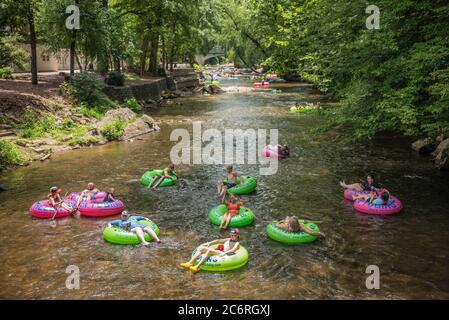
{"x":223,"y":193}
{"x":219,"y":187}
{"x":189,"y":263}
{"x":228,"y":219}
{"x":152,"y":182}
{"x":152,"y":234}
{"x":206,"y":256}
{"x":355,"y":186}
{"x":141,"y":235}
{"x":223,"y":220}
{"x":159,"y":182}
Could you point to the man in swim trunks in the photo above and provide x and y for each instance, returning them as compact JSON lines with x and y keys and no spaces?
{"x":169,"y":172}
{"x":231,"y":181}
{"x":226,"y":246}
{"x":132,"y":224}
{"x":87,"y":194}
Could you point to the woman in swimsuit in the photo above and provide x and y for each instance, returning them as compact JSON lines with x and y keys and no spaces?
{"x":226,"y":246}
{"x":233,"y":210}
{"x":231,"y":181}
{"x":369,"y":185}
{"x":169,"y":172}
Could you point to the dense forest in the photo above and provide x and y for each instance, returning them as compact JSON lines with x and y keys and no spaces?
{"x":394,"y":78}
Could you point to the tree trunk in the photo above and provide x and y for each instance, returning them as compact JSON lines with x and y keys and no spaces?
{"x":72,"y":53}
{"x":33,"y":44}
{"x":153,"y":53}
{"x":143,"y":57}
{"x":117,"y":64}
{"x":78,"y":61}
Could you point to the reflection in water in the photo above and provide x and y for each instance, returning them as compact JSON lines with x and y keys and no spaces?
{"x":410,"y":249}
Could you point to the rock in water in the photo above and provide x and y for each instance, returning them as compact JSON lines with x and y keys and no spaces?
{"x":424,"y":146}
{"x":141,"y":126}
{"x":3,"y":189}
{"x":441,"y":154}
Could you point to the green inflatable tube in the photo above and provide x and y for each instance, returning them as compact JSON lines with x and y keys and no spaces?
{"x":149,"y":175}
{"x":249,"y":185}
{"x":117,"y":235}
{"x":283,"y":236}
{"x":244,"y":218}
{"x":301,"y":110}
{"x":231,"y":261}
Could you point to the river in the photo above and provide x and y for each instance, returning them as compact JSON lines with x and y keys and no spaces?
{"x":411,"y":249}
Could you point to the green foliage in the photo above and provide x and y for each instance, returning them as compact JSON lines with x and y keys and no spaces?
{"x":133,"y":104}
{"x":11,"y":54}
{"x":35,"y":125}
{"x":80,"y":136}
{"x":6,"y":73}
{"x":96,"y":112}
{"x":113,"y":130}
{"x":9,"y":154}
{"x":86,"y":89}
{"x":391,"y":79}
{"x":115,"y":79}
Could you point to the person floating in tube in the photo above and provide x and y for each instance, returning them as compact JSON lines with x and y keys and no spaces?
{"x":132,"y":224}
{"x":233,"y":205}
{"x":231,"y":181}
{"x":281,"y":149}
{"x":369,"y":185}
{"x":169,"y":172}
{"x":291,"y":224}
{"x":225,"y":246}
{"x":87,"y":194}
{"x":55,"y":200}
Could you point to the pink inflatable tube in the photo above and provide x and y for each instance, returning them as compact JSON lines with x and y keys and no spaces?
{"x":100,"y":209}
{"x":96,"y":207}
{"x":351,"y":192}
{"x":99,"y":196}
{"x":394,"y":206}
{"x":43,"y":210}
{"x":267,"y":152}
{"x":260,"y":84}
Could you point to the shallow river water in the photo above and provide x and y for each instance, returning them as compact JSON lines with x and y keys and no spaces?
{"x":411,"y":249}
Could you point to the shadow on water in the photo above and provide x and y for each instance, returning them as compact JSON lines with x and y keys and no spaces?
{"x":410,"y":249}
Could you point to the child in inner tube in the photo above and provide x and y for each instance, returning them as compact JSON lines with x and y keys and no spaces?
{"x":169,"y":172}
{"x":226,"y":246}
{"x":382,"y":197}
{"x":231,"y":182}
{"x":55,"y":200}
{"x":233,"y":210}
{"x":110,"y":196}
{"x":132,"y":224}
{"x":291,"y":224}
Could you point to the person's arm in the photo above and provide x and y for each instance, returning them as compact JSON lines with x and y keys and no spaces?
{"x":240,"y":176}
{"x":111,"y":197}
{"x":52,"y":201}
{"x":215,"y":242}
{"x":310,"y":231}
{"x":115,"y":223}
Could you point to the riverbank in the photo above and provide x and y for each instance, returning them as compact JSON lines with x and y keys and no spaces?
{"x":38,"y":121}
